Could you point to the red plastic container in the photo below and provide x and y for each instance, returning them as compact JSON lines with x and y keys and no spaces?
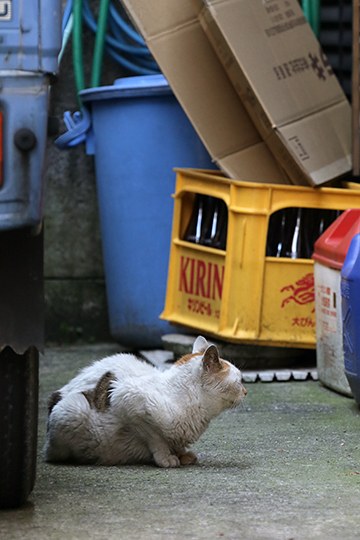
{"x":329,"y":254}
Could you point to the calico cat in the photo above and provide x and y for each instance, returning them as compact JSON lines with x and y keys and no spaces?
{"x":122,"y":410}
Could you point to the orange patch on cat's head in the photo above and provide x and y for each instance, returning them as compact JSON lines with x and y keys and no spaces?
{"x":224,"y":366}
{"x":220,"y":369}
{"x":186,"y":358}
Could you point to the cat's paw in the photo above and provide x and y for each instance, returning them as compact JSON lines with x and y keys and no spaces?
{"x":188,"y":458}
{"x":167,"y":461}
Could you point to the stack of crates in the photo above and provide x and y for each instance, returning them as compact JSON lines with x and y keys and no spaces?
{"x":238,"y":291}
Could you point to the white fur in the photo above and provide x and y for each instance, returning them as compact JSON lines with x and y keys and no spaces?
{"x":151,"y":415}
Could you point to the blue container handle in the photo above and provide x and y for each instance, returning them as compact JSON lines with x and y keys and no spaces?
{"x":78,"y":126}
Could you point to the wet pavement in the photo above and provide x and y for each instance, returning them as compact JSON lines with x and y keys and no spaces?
{"x":285,"y":465}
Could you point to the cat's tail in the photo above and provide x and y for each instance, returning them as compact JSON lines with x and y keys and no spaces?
{"x":71,"y":430}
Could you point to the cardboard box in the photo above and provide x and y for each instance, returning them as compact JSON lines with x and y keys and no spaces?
{"x":177,"y":41}
{"x":286,"y":84}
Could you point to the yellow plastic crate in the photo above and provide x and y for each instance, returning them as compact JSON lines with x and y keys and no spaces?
{"x":239,"y":294}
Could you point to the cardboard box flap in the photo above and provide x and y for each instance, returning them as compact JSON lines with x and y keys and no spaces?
{"x":304,"y":140}
{"x":226,"y":128}
{"x":281,"y":75}
{"x":199,"y":81}
{"x":278,"y":54}
{"x":254,"y":164}
{"x":156,"y":17}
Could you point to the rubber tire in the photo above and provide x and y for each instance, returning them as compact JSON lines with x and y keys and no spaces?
{"x":19,"y":391}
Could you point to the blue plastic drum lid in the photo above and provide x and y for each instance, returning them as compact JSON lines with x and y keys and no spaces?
{"x":142,"y":86}
{"x":140,"y":133}
{"x":350,"y":303}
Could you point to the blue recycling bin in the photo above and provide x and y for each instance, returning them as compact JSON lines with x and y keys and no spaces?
{"x":139,"y":134}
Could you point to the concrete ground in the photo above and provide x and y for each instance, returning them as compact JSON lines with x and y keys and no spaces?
{"x":285,"y":465}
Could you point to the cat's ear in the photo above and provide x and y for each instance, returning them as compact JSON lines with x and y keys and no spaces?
{"x":200,"y":345}
{"x":211,"y":360}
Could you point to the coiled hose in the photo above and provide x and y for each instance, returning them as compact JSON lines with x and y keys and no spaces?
{"x":113,"y":33}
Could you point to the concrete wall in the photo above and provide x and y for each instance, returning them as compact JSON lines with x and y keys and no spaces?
{"x":74,"y":278}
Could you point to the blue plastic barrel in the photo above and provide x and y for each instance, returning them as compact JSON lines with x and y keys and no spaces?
{"x":140,"y":133}
{"x":350,"y":306}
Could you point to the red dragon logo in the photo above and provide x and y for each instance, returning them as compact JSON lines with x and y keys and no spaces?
{"x":303,"y":292}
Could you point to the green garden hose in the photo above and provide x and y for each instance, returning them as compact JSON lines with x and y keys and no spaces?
{"x":77,"y":49}
{"x":311,"y":10}
{"x":99,"y":43}
{"x":77,"y":45}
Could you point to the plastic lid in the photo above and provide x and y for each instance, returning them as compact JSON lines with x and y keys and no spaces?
{"x":139,"y":86}
{"x":332,"y":246}
{"x":145,"y":82}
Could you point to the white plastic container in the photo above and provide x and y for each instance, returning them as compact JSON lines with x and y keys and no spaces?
{"x":329,"y":256}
